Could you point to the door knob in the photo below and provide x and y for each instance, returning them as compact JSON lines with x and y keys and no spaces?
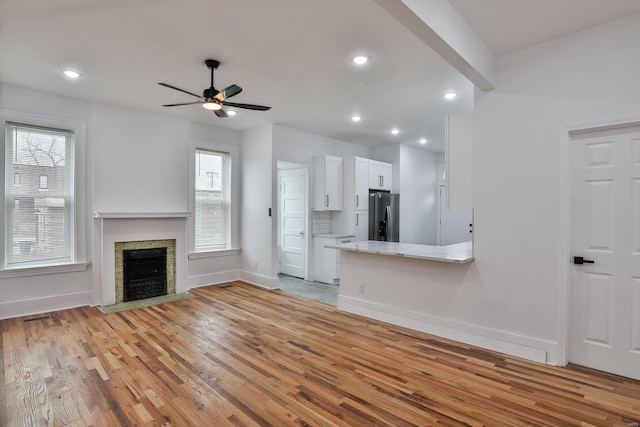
{"x":580,"y":260}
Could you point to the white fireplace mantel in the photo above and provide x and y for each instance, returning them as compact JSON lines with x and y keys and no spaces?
{"x":116,"y":215}
{"x":112,"y":227}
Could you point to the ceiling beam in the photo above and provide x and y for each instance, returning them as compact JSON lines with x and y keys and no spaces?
{"x":441,"y":27}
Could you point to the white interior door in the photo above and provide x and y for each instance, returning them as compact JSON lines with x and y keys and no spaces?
{"x":604,"y":327}
{"x":293,"y":222}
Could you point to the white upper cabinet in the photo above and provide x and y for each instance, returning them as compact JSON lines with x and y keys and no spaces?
{"x":361,"y":202}
{"x":327,"y":194}
{"x":379,"y":175}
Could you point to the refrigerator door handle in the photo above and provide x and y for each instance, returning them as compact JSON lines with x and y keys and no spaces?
{"x":387,"y":222}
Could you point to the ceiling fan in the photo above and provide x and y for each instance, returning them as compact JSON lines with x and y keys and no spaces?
{"x":213,"y":99}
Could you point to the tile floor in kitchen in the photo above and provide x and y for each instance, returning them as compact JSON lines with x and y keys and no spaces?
{"x":321,"y":292}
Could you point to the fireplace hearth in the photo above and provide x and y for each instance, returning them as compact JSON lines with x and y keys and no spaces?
{"x":144,"y":273}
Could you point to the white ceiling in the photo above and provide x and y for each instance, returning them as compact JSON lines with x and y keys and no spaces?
{"x":509,"y":25}
{"x":293,"y":55}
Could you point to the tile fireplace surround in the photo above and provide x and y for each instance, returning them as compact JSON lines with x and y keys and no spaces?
{"x":120,"y":247}
{"x":138,"y":230}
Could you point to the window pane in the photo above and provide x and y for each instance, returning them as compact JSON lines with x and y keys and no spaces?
{"x":38,"y":224}
{"x":211,"y":205}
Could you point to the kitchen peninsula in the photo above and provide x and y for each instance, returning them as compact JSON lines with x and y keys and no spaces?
{"x":425,"y":288}
{"x":456,"y":253}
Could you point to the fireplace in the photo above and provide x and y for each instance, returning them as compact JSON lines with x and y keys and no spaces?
{"x":144,"y":269}
{"x":145,"y":273}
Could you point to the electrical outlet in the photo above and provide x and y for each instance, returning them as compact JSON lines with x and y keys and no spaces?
{"x":361,"y":288}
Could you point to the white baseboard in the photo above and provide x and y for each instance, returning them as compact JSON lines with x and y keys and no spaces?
{"x":492,"y":339}
{"x":43,"y":305}
{"x":260,"y":280}
{"x":213,"y":278}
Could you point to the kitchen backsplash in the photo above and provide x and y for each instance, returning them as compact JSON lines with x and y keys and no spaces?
{"x":321,"y":222}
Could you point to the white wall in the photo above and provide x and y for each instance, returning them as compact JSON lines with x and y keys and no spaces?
{"x":257,"y":195}
{"x":141,"y":161}
{"x":515,"y":290}
{"x":418,"y":196}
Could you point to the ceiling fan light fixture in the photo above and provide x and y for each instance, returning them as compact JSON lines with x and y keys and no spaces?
{"x":211,"y":106}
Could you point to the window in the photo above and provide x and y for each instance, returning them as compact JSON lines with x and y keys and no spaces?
{"x":39,"y":227}
{"x":211,"y":201}
{"x":213,"y":225}
{"x":44,"y":182}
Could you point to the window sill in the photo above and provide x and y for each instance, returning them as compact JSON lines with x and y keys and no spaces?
{"x":213,"y":254}
{"x":46,"y":269}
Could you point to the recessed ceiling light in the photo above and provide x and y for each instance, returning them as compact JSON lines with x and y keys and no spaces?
{"x":231,"y":113}
{"x":395,"y":131}
{"x":71,"y":74}
{"x":449,"y":96}
{"x":423,"y":140}
{"x":356,"y":118}
{"x":360,"y":59}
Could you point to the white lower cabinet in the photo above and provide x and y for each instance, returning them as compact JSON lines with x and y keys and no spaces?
{"x":327,"y":260}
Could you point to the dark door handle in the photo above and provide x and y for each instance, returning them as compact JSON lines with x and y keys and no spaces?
{"x":581,"y":260}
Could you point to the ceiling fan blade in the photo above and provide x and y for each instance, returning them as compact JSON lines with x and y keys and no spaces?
{"x":178,"y":89}
{"x":221,"y":113}
{"x":184,"y":103}
{"x":246,"y":106}
{"x":228,"y":92}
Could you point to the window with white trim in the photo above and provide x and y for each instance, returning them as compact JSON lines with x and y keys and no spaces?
{"x":39,"y":226}
{"x":211,"y":200}
{"x":213,"y":224}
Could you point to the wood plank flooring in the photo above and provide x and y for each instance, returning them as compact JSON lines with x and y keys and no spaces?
{"x":239,"y":355}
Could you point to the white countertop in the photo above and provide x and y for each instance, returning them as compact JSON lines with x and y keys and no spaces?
{"x":333,"y":235}
{"x":458,"y":253}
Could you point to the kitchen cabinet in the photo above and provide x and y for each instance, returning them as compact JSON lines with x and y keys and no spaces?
{"x":361,"y":184}
{"x":327,"y":194}
{"x":361,"y":226}
{"x":379,"y":175}
{"x":326,"y":260}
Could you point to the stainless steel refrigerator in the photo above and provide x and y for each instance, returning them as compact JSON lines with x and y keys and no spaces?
{"x":384,"y":215}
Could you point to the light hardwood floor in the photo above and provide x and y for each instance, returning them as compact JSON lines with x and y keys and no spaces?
{"x":239,"y":355}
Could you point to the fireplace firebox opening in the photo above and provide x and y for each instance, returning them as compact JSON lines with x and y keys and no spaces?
{"x":144,"y":273}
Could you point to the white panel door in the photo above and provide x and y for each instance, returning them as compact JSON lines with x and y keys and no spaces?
{"x":604,"y":328}
{"x":293,"y":224}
